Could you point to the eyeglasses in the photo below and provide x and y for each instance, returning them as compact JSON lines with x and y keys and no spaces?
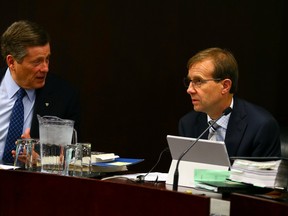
{"x":196,"y":83}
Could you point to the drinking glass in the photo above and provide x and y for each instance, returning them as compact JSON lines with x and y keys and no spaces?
{"x":82,"y":160}
{"x":27,"y":154}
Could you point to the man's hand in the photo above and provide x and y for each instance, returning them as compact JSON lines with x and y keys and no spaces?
{"x":26,"y":134}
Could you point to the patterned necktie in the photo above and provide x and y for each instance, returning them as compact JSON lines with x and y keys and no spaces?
{"x":15,"y":126}
{"x":212,"y":132}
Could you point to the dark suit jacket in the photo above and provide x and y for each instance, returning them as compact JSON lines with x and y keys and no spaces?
{"x":251,"y":130}
{"x":56,"y":98}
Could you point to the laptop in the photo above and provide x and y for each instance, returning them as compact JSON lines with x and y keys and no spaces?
{"x":205,"y":154}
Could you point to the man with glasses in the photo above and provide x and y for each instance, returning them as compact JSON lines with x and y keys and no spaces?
{"x":248,"y":130}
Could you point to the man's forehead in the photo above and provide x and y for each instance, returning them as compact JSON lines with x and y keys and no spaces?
{"x":38,"y":51}
{"x":205,"y":67}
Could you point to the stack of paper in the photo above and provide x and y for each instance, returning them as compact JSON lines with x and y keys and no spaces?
{"x":103,"y":157}
{"x":216,"y":181}
{"x":109,"y":162}
{"x":270,"y":174}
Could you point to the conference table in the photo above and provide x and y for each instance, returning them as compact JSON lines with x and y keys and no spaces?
{"x":36,"y":193}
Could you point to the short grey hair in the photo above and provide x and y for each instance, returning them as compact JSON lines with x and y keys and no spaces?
{"x":19,"y":36}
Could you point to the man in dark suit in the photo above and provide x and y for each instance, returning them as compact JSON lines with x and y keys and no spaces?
{"x":212,"y":80}
{"x":25,"y":46}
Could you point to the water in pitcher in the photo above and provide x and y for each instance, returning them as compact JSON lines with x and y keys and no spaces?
{"x":55,"y":137}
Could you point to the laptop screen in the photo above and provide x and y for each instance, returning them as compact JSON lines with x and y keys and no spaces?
{"x":204,"y":151}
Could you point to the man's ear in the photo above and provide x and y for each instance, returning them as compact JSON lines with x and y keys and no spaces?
{"x":10,"y":62}
{"x":226,"y":83}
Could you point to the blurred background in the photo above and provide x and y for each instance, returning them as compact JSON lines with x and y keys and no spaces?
{"x":128,"y":59}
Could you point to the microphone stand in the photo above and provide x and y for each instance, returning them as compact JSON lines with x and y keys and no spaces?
{"x":176,"y":173}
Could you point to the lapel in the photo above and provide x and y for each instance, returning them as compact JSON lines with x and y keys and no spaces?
{"x":202,"y":122}
{"x":236,"y":127}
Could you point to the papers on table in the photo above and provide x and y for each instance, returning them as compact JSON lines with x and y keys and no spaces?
{"x":104,"y":157}
{"x":8,"y":167}
{"x":271,"y":174}
{"x":109,"y":162}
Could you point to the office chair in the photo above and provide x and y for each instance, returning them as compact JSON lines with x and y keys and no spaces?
{"x":284,"y":141}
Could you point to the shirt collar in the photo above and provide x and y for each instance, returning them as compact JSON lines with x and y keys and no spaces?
{"x":12,"y":86}
{"x":223,"y":121}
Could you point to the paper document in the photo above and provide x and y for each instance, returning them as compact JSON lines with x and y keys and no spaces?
{"x":104,"y":157}
{"x":8,"y":167}
{"x":270,"y":174}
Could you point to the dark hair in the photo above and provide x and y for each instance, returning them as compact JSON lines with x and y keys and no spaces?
{"x":225,"y":65}
{"x":19,"y":36}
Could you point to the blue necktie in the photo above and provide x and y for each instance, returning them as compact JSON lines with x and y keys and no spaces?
{"x":15,"y":126}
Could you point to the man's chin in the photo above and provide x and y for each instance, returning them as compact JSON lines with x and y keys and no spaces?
{"x":39,"y":85}
{"x":197,"y":108}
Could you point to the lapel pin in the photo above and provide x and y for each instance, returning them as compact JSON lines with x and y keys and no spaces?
{"x":47,"y":104}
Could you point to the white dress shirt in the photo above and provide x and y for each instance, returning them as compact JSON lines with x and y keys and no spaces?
{"x":220,"y":133}
{"x":8,"y":89}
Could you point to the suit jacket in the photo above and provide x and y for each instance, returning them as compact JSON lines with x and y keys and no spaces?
{"x":251,"y":130}
{"x":56,"y":98}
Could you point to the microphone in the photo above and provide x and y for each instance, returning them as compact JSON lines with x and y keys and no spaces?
{"x":176,"y":173}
